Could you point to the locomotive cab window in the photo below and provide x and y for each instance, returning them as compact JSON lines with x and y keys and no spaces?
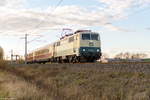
{"x":90,"y":37}
{"x":94,"y":37}
{"x":86,"y":36}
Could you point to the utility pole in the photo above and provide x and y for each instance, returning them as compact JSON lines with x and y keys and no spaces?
{"x":26,"y":47}
{"x":11,"y":56}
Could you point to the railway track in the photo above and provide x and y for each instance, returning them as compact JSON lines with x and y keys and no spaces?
{"x":143,"y":67}
{"x":97,"y":63}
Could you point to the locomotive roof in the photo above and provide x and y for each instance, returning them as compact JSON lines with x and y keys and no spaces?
{"x":77,"y":32}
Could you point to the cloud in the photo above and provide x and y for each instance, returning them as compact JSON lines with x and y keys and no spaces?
{"x":148,"y":28}
{"x":116,"y":28}
{"x":119,"y":8}
{"x":12,"y":3}
{"x":3,"y":2}
{"x":23,"y":21}
{"x":14,"y":18}
{"x":17,"y":20}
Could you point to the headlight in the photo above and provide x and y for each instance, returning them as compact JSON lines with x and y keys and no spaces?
{"x":83,"y":49}
{"x":98,"y":50}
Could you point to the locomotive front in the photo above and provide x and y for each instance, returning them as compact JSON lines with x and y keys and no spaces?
{"x":90,"y":46}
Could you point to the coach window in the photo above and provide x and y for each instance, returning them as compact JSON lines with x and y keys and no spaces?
{"x":71,"y":39}
{"x":86,"y":36}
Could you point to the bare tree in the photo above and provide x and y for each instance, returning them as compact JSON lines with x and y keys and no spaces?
{"x":128,"y":55}
{"x":139,"y":56}
{"x":119,"y":56}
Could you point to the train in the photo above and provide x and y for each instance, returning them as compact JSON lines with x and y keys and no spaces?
{"x":80,"y":46}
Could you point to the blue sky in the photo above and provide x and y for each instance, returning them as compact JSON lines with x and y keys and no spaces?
{"x":47,"y":3}
{"x":123,"y":24}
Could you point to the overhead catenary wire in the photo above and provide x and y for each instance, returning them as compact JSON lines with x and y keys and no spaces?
{"x":41,"y":36}
{"x":26,"y":35}
{"x":37,"y":26}
{"x":58,"y":4}
{"x":60,"y":1}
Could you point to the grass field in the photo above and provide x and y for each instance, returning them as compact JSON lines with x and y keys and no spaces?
{"x":75,"y":81}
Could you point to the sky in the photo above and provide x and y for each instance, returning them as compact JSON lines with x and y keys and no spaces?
{"x":124,"y":25}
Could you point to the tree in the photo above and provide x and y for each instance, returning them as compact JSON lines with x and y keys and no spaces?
{"x":119,"y":56}
{"x":139,"y":56}
{"x":128,"y":55}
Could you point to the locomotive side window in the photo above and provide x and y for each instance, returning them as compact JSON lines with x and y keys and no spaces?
{"x":94,"y":37}
{"x":58,"y":44}
{"x":71,"y":39}
{"x":86,"y":36}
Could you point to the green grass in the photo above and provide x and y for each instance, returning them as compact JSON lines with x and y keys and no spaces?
{"x":146,"y":60}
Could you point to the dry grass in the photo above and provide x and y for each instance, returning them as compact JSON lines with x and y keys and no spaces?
{"x":77,"y":82}
{"x":3,"y":63}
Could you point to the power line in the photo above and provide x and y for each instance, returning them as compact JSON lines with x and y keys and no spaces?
{"x":38,"y":25}
{"x":58,"y":4}
{"x":39,"y":37}
{"x":26,"y":35}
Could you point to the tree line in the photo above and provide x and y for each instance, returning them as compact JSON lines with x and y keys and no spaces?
{"x":127,"y":55}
